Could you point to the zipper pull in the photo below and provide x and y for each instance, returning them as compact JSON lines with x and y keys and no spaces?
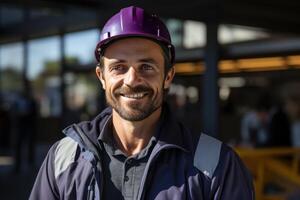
{"x":91,"y":189}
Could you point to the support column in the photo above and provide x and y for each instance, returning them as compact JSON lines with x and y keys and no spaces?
{"x":62,"y":75}
{"x":1,"y":89}
{"x":210,"y":95}
{"x":27,"y":86}
{"x":26,"y":83}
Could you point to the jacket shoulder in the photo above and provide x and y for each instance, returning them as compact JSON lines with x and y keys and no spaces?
{"x":64,"y":155}
{"x":229,"y":177}
{"x":232,"y":177}
{"x":207,"y":154}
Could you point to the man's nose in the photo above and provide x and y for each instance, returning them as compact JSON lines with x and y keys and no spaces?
{"x":132,"y":77}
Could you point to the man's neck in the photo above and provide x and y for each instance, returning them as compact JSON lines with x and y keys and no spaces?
{"x":131,"y":137}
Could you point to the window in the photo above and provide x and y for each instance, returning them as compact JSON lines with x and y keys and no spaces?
{"x":194,"y":34}
{"x":80,"y":46}
{"x":233,"y":33}
{"x":43,"y":73}
{"x":175,"y":28}
{"x":11,"y":67}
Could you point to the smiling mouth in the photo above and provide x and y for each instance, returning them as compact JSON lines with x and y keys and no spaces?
{"x":135,"y":95}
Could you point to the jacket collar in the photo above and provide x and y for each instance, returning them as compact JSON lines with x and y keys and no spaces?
{"x":172,"y":131}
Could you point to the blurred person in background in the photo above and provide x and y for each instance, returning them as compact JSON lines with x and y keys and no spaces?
{"x":136,"y":149}
{"x":279,"y":127}
{"x":5,"y":129}
{"x":25,"y":114}
{"x":267,"y":125}
{"x":292,"y":107}
{"x":255,"y":123}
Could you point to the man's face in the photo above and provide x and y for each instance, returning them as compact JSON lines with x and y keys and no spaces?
{"x":133,"y":77}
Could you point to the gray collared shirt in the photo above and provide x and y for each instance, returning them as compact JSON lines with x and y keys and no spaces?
{"x":122,"y":174}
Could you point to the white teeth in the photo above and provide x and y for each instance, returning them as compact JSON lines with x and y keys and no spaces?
{"x":135,"y":96}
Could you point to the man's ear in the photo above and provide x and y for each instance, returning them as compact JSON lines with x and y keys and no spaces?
{"x":169,"y":77}
{"x":99,"y":73}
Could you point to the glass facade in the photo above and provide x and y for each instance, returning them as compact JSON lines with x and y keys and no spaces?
{"x":79,"y":47}
{"x":11,"y":67}
{"x":44,"y":57}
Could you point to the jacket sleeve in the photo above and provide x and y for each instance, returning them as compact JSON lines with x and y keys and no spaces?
{"x":231,"y":180}
{"x":45,"y":183}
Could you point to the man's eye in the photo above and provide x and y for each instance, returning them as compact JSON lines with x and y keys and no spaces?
{"x":118,"y":68}
{"x":146,"y":67}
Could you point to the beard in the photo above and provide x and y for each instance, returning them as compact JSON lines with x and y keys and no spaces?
{"x":135,"y":111}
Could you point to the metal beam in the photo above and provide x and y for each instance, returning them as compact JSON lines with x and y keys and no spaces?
{"x":275,"y":17}
{"x":249,"y":49}
{"x":258,"y":14}
{"x":262,"y":48}
{"x":210,"y":111}
{"x":48,"y":25}
{"x":61,"y":4}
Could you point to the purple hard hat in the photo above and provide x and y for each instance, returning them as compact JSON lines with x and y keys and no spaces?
{"x":134,"y":21}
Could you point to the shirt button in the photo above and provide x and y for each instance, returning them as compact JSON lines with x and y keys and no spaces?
{"x":126,"y":178}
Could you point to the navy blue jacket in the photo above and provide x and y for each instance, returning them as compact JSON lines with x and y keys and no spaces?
{"x":181,"y":166}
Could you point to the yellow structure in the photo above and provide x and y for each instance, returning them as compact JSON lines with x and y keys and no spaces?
{"x":279,"y":166}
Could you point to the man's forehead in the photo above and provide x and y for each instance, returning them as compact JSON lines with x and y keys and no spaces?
{"x":133,"y":45}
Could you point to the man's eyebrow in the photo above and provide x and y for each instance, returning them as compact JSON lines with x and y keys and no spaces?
{"x":144,"y":60}
{"x":116,"y":61}
{"x":148,"y":60}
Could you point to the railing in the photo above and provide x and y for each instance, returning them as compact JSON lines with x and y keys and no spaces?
{"x":278,"y":166}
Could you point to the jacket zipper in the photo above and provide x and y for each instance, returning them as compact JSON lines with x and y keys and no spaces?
{"x":91,"y":189}
{"x":151,"y":160}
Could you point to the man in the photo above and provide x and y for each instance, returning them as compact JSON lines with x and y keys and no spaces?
{"x":135,"y":149}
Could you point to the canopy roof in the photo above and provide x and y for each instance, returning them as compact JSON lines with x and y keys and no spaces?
{"x":33,"y":18}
